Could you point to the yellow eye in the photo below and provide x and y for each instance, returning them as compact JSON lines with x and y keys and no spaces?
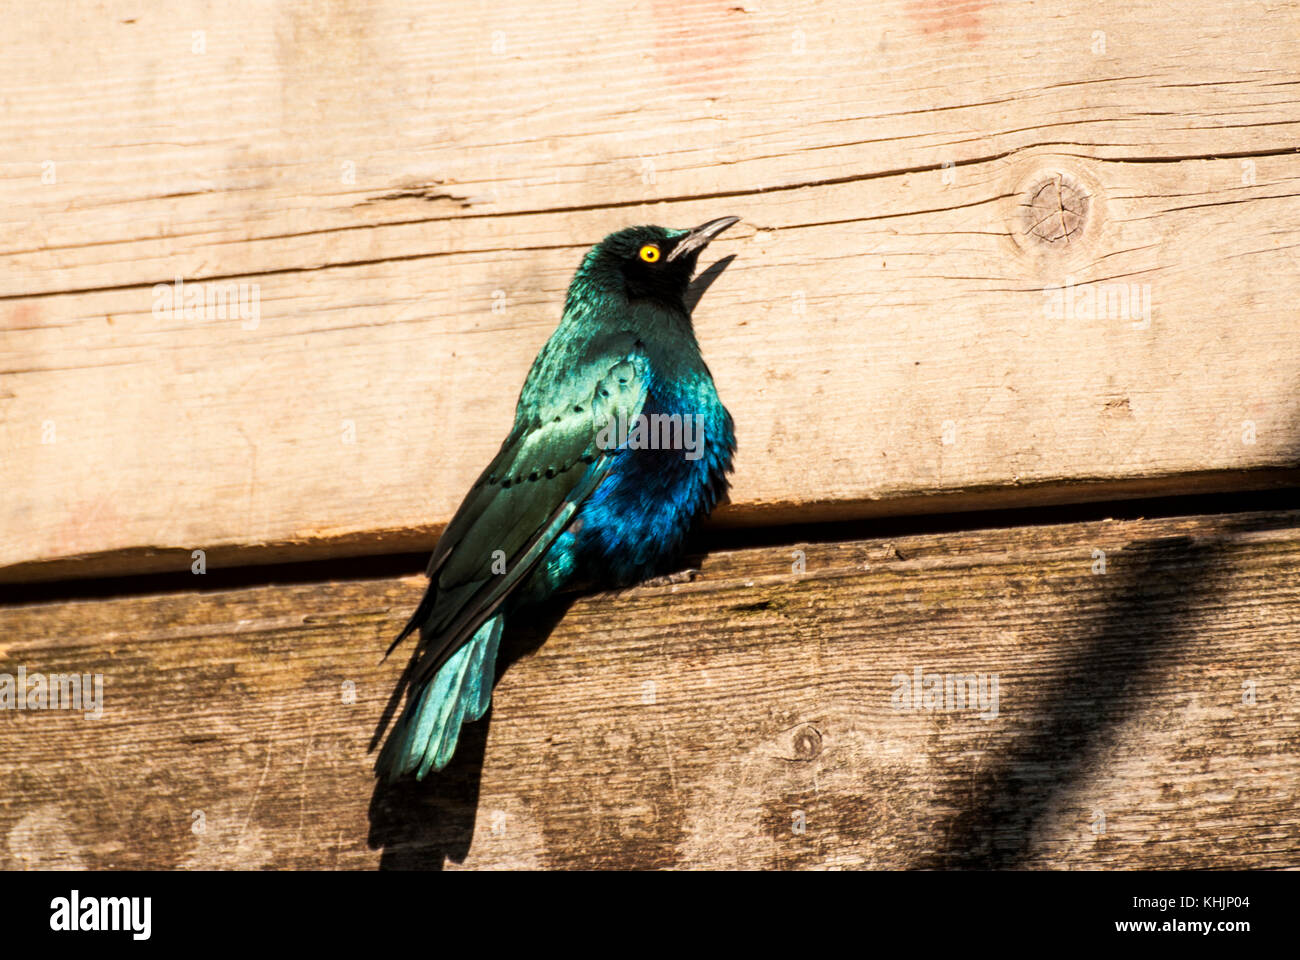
{"x":650,"y":253}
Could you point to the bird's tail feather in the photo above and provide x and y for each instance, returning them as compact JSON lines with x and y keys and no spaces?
{"x":460,"y":692}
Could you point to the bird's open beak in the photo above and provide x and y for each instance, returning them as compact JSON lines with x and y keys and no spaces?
{"x":699,"y":238}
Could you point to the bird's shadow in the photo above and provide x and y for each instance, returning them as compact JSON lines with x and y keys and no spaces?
{"x":421,"y":825}
{"x":700,"y":285}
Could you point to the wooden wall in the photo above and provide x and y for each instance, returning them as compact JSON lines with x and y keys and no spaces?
{"x":992,"y":255}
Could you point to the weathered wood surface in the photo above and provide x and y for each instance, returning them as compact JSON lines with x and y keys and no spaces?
{"x":410,"y":188}
{"x":745,"y":719}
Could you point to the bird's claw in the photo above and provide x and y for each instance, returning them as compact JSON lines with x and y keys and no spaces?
{"x":677,"y":576}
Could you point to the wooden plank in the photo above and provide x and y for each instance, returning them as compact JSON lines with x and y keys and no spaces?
{"x":381,"y":170}
{"x":1147,"y":716}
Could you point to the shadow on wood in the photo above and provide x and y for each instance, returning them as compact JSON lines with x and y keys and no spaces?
{"x":700,"y":285}
{"x":1164,"y":584}
{"x":419,"y":825}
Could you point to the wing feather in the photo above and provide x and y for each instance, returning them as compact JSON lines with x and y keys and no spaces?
{"x":546,"y":469}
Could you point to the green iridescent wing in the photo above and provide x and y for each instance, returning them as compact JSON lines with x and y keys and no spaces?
{"x":547,"y":467}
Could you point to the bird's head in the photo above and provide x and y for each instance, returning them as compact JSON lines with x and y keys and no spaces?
{"x":649,"y":263}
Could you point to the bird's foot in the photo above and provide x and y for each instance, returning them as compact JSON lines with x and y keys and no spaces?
{"x":677,"y":576}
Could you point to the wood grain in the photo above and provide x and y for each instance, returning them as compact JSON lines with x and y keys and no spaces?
{"x":410,"y":184}
{"x":1147,"y":716}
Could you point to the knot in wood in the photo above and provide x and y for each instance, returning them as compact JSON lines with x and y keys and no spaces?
{"x":807,"y":742}
{"x":1056,"y":208}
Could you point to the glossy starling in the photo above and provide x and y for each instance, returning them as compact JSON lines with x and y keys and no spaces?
{"x":619,"y":444}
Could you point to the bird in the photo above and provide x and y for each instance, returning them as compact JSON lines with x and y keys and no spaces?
{"x":619,"y":445}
